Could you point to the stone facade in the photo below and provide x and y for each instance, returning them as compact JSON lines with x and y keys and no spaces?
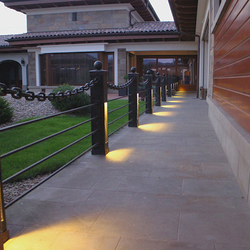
{"x":235,"y":142}
{"x":32,"y":69}
{"x":122,"y":63}
{"x":85,"y":20}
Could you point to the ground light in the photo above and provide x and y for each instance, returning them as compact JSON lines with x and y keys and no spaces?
{"x":120,"y":155}
{"x":170,"y":106}
{"x":175,"y":101}
{"x":157,"y":127}
{"x":165,"y":113}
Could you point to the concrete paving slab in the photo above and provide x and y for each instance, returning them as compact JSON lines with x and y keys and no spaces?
{"x":224,"y":228}
{"x":135,"y":223}
{"x":215,"y":188}
{"x":139,"y":244}
{"x":164,"y":185}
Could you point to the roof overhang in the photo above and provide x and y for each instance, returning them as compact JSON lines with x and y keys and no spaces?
{"x":143,"y":7}
{"x":110,"y":38}
{"x":185,"y":14}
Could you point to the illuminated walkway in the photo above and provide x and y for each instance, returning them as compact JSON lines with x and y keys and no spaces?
{"x":165,"y":185}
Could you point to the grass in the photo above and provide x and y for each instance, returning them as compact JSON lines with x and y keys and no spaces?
{"x":20,"y":136}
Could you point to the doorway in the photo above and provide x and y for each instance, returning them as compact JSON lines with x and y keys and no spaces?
{"x":11,"y":74}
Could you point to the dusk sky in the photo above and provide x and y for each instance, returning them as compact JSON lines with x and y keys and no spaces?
{"x":13,"y":22}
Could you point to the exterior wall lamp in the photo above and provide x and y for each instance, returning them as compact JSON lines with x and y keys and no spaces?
{"x":23,"y":62}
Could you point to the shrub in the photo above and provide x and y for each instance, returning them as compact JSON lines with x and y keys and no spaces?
{"x":71,"y":102}
{"x":6,"y":112}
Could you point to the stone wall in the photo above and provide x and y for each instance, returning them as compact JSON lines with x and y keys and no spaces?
{"x":235,"y":142}
{"x":122,"y":65}
{"x":85,"y":20}
{"x":32,"y":69}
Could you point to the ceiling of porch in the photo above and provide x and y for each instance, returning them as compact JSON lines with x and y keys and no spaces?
{"x":185,"y":14}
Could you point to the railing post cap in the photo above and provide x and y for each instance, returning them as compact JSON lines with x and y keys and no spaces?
{"x":158,"y":73}
{"x":98,"y":65}
{"x":133,"y":70}
{"x":148,"y":72}
{"x":163,"y":74}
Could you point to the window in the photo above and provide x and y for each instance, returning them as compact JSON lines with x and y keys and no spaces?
{"x":111,"y":68}
{"x":74,"y":16}
{"x":68,"y":68}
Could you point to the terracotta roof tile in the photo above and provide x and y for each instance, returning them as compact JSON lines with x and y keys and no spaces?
{"x":145,"y":27}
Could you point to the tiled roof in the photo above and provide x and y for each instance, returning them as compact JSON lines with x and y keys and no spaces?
{"x":145,"y":27}
{"x":3,"y":39}
{"x":153,"y":27}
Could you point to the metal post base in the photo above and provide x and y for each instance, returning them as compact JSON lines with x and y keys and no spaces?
{"x":3,"y":238}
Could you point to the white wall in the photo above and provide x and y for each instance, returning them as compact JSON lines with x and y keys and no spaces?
{"x":18,"y":58}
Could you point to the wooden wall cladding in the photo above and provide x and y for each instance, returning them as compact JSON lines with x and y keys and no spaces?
{"x":232,"y":62}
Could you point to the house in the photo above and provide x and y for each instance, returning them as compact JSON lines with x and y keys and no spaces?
{"x":64,"y":38}
{"x":206,"y":47}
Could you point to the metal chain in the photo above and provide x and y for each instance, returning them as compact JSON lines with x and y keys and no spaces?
{"x":17,"y":93}
{"x":156,"y":81}
{"x":118,"y":87}
{"x":144,"y":83}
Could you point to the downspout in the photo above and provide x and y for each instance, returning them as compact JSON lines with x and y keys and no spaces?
{"x":198,"y":67}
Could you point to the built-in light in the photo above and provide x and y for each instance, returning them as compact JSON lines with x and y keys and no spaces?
{"x":165,"y":113}
{"x":120,"y":155}
{"x":157,"y":127}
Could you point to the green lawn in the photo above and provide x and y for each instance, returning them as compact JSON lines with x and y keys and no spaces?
{"x":17,"y":137}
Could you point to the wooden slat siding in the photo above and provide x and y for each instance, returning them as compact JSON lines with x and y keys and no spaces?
{"x":240,"y":84}
{"x":227,"y":20}
{"x":237,"y":99}
{"x":240,"y":117}
{"x":239,"y":34}
{"x":235,"y":24}
{"x":238,"y":53}
{"x":225,"y":23}
{"x":232,"y":63}
{"x":237,"y":68}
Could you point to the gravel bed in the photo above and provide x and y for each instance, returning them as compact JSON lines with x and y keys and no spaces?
{"x":25,"y":109}
{"x":12,"y":190}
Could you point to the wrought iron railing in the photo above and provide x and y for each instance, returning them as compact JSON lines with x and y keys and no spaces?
{"x":99,"y":118}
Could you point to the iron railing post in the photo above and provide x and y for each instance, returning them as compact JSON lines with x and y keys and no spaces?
{"x":158,"y":90}
{"x":169,"y":83}
{"x":4,"y":233}
{"x":100,"y":110}
{"x":149,"y":93}
{"x":164,"y":88}
{"x":133,"y":99}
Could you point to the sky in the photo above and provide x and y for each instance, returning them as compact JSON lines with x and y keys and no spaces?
{"x":13,"y":22}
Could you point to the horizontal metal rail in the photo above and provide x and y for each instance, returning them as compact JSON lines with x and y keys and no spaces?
{"x":142,"y":112}
{"x":117,"y":119}
{"x":47,"y":157}
{"x":119,"y":108}
{"x":120,"y":127}
{"x":45,"y":138}
{"x":117,"y":98}
{"x":142,"y":91}
{"x":51,"y":175}
{"x":44,"y":118}
{"x":142,"y":105}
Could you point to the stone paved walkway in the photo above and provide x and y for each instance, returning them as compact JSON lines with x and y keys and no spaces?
{"x":166,"y":185}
